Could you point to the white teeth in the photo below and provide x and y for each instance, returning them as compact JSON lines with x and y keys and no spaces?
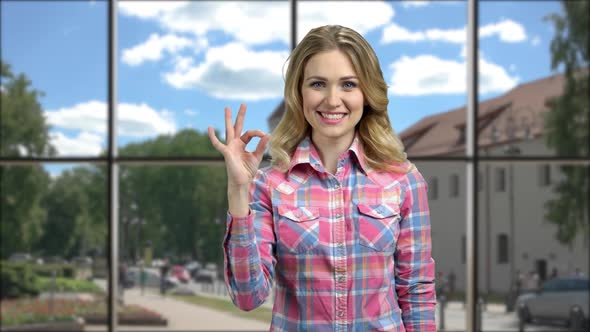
{"x":332,"y":116}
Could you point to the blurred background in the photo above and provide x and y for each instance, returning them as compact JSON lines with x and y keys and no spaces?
{"x":180,"y":63}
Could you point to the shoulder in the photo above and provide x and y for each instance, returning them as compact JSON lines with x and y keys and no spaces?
{"x":402,"y":174}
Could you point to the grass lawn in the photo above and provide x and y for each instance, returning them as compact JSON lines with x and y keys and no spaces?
{"x":262,"y":314}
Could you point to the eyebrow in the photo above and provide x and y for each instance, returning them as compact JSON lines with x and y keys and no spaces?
{"x":325,"y":79}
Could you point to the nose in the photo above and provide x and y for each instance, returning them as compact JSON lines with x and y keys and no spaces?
{"x":332,"y":98}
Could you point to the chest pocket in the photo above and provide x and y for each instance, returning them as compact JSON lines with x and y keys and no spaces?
{"x":298,"y":228}
{"x":379,"y":225}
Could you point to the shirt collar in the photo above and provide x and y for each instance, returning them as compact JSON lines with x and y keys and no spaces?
{"x":306,"y":153}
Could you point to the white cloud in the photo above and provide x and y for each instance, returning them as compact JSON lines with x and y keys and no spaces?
{"x":536,"y":41}
{"x":134,"y":120}
{"x":257,"y":23}
{"x":149,"y":9}
{"x":88,"y":116}
{"x":428,"y":74}
{"x":414,"y":3}
{"x":507,"y":30}
{"x":456,"y":36}
{"x":395,"y":33}
{"x":250,"y":23}
{"x":152,"y":49}
{"x":85,"y":144}
{"x":233,"y":71}
{"x":89,"y":119}
{"x":350,"y":14}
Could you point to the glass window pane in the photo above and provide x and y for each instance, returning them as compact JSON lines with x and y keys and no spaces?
{"x":170,"y":244}
{"x":420,"y":47}
{"x":53,"y":246}
{"x":53,"y":79}
{"x":526,"y":107}
{"x":447,"y":217}
{"x":545,"y":231}
{"x":182,"y":63}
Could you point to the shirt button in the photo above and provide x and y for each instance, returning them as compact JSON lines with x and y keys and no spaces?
{"x":341,"y":279}
{"x":337,"y":185}
{"x":338,"y":215}
{"x":340,"y":313}
{"x":341,"y":244}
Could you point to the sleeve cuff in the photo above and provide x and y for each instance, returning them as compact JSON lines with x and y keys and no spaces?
{"x":240,"y":230}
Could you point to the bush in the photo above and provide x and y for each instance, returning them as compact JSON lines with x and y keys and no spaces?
{"x":17,"y":280}
{"x":68,"y":285}
{"x":61,"y":270}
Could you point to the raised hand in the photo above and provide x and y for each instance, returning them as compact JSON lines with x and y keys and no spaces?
{"x":241,"y":165}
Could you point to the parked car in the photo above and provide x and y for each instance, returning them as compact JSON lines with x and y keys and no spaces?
{"x":180,"y":273}
{"x":193,"y":268}
{"x":20,"y":257}
{"x":156,"y":262}
{"x":207,"y":274}
{"x":55,"y":260}
{"x":560,"y":299}
{"x":82,"y":261}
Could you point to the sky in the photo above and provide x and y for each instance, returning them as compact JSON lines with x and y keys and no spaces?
{"x":180,"y":63}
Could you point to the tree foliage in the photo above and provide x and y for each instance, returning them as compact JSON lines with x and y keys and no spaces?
{"x":23,"y":133}
{"x":567,"y":123}
{"x":179,"y":210}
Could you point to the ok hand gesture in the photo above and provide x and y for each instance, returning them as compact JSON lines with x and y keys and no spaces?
{"x":241,"y":165}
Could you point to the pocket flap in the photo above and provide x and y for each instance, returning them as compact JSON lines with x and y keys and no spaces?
{"x":379,"y":211}
{"x":299,"y":214}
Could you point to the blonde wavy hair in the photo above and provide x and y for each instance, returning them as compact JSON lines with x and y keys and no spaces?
{"x":381,"y":145}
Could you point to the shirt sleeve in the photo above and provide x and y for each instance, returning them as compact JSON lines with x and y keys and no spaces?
{"x":414,"y":266}
{"x":249,"y":250}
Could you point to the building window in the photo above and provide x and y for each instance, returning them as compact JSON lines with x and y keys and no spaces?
{"x":463,"y":249}
{"x":500,"y":179}
{"x":433,"y":188}
{"x":502,"y":248}
{"x":544,"y":175}
{"x":454,"y":185}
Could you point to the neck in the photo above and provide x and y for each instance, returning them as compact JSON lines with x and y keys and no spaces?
{"x":330,"y":149}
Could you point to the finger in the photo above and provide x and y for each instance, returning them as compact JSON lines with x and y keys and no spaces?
{"x":229,"y":128}
{"x":261,"y":147}
{"x":247,"y":137}
{"x":216,"y":143}
{"x":240,"y":120}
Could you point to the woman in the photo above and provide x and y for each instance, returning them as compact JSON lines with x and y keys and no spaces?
{"x":339,"y":222}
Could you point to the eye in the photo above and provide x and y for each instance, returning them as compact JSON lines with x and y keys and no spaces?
{"x":349,"y":85}
{"x":316,"y":84}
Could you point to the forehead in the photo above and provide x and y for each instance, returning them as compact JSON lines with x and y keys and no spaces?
{"x":333,"y":63}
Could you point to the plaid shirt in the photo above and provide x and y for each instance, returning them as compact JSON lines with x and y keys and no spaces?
{"x":345,"y":252}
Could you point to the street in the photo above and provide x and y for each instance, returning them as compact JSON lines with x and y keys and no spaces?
{"x":495,"y":317}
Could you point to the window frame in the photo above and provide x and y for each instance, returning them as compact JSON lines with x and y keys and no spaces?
{"x":472,"y":159}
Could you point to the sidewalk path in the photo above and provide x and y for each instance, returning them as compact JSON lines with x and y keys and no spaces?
{"x":184,"y":316}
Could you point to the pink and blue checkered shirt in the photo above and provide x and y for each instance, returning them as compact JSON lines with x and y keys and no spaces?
{"x":345,"y":252}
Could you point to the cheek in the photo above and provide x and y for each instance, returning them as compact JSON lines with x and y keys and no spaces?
{"x":310,"y":100}
{"x":356,"y":102}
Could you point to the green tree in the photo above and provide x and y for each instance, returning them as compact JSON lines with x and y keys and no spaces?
{"x":178,"y":206}
{"x":23,"y":133}
{"x":72,"y":228}
{"x":567,"y":122}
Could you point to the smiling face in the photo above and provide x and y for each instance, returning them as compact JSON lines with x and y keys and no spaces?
{"x":332,"y":99}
